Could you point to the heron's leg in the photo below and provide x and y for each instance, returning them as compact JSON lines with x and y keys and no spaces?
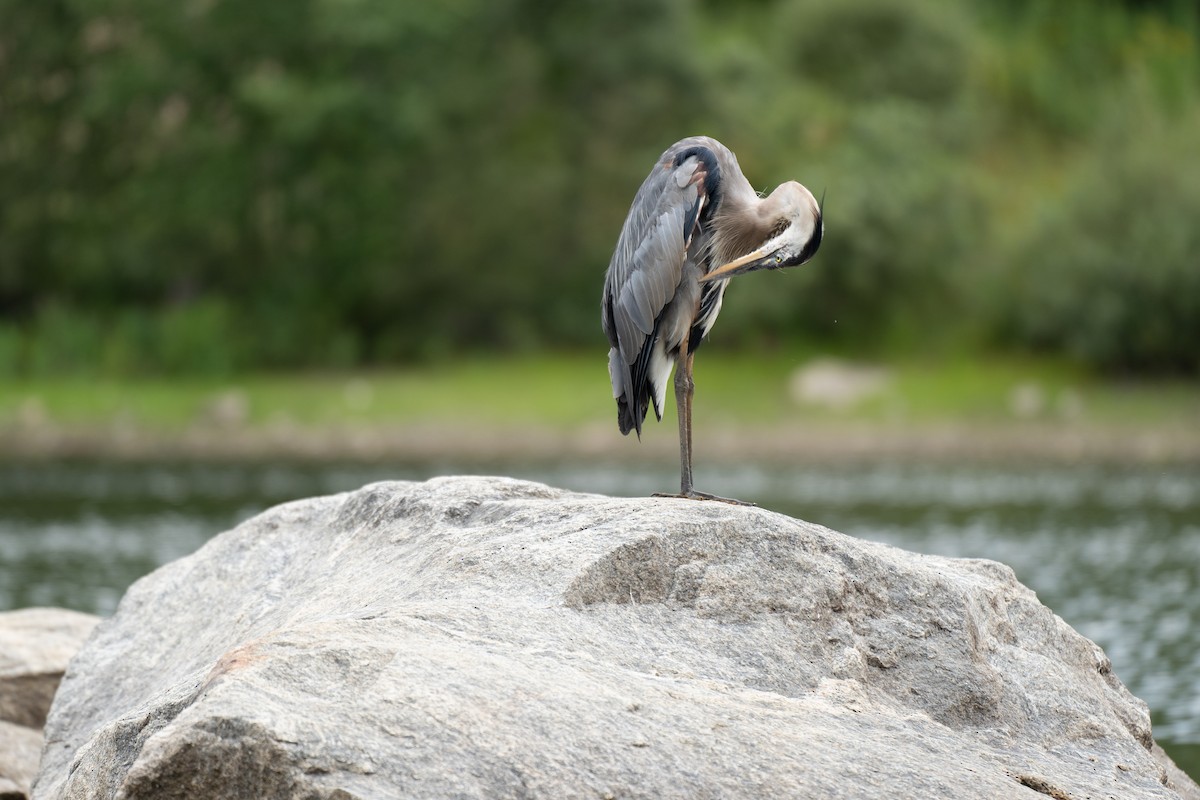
{"x":684,"y":387}
{"x":691,"y":389}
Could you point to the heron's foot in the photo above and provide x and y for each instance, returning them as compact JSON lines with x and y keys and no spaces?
{"x":694,"y":495}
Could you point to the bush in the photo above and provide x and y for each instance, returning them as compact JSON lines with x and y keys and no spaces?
{"x":870,"y":49}
{"x":1112,"y":275}
{"x":340,"y":180}
{"x":1063,"y":63}
{"x":11,"y":347}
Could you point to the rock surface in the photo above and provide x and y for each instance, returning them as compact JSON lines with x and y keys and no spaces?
{"x":20,"y":748}
{"x":35,"y":646}
{"x":490,"y":638}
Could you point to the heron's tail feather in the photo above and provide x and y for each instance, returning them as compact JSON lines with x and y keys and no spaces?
{"x":629,"y":419}
{"x":638,"y":386}
{"x":623,"y":388}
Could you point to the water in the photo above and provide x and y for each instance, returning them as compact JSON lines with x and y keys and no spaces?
{"x":1114,"y":551}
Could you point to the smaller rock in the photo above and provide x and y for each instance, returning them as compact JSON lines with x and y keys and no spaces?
{"x":32,"y":413}
{"x":35,"y":646}
{"x":837,"y":385}
{"x":1026,"y":400}
{"x":20,"y":749}
{"x":228,"y":409}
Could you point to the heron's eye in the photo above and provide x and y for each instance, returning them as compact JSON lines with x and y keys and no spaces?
{"x":778,"y":259}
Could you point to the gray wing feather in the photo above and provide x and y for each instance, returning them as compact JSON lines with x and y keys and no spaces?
{"x":647,"y":264}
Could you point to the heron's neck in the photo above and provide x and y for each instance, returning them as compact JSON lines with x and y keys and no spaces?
{"x":744,"y":222}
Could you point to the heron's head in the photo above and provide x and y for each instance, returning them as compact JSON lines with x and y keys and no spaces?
{"x":796,"y":229}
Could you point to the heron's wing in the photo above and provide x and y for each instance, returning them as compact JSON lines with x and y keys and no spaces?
{"x":647,"y":266}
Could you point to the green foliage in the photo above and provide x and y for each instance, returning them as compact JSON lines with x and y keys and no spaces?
{"x":193,"y":338}
{"x":1111,"y":275}
{"x":208,"y":186}
{"x":874,"y":49}
{"x":1063,"y":64}
{"x":341,"y":179}
{"x":10,"y":349}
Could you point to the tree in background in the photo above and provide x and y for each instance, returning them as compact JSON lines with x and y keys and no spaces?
{"x":210,"y":186}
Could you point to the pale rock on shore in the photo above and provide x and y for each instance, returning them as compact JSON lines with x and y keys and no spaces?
{"x":35,"y":646}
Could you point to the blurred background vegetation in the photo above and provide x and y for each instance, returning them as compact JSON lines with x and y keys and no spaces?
{"x":209,"y":187}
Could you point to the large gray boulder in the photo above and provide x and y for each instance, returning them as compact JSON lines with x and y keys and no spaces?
{"x":35,"y":646}
{"x":490,"y":638}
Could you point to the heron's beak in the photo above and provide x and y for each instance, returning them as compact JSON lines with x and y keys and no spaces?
{"x":740,"y":266}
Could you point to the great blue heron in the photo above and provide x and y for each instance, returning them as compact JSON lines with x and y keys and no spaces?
{"x":694,"y":223}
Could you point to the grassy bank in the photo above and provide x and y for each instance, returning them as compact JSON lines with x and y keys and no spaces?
{"x":550,"y":406}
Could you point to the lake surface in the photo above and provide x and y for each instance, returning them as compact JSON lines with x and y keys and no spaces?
{"x":1114,"y":551}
